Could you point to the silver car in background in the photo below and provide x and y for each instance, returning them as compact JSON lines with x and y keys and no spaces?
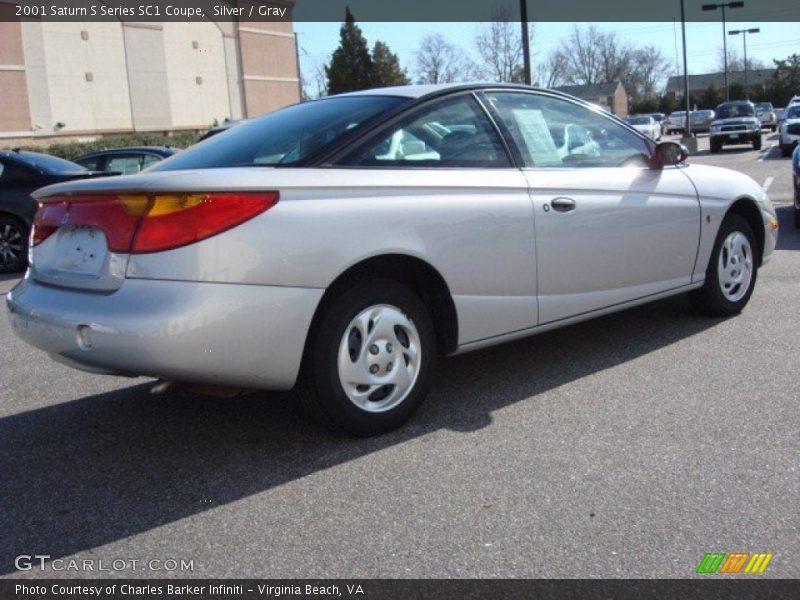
{"x":766,"y":115}
{"x":341,"y":244}
{"x":700,"y":120}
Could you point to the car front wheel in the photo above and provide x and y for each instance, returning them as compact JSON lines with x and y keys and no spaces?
{"x":732,"y":270}
{"x":757,"y":142}
{"x":370,"y":359}
{"x":13,"y":245}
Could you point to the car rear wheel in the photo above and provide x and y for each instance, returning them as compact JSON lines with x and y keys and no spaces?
{"x":796,"y":201}
{"x":370,"y":359}
{"x":13,"y":245}
{"x":786,"y":150}
{"x":732,"y":270}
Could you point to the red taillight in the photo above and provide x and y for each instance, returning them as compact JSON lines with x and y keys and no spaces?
{"x":139,"y":223}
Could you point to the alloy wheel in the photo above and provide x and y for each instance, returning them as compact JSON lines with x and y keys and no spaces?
{"x":735,"y":268}
{"x":12,"y":245}
{"x":379,"y":358}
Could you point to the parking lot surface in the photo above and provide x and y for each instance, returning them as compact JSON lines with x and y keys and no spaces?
{"x":627,"y":446}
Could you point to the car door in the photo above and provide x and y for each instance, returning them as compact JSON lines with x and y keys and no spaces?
{"x":443,"y":187}
{"x":609,"y":229}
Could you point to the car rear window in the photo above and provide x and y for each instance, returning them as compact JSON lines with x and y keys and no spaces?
{"x":284,"y":137}
{"x":729,"y":111}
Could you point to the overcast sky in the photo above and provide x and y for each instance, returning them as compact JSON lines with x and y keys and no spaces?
{"x":776,"y":40}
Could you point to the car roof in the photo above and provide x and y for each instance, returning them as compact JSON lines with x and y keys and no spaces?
{"x":160,"y":150}
{"x":45,"y":163}
{"x":420,"y":91}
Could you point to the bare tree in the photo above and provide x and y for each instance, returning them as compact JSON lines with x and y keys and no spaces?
{"x":648,"y":72}
{"x":438,"y":61}
{"x":594,"y":56}
{"x":553,"y":70}
{"x":735,"y":61}
{"x":320,"y":79}
{"x":498,"y":43}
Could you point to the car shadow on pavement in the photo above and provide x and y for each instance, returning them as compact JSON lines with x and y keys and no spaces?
{"x":788,"y":234}
{"x":99,"y":469}
{"x":725,"y":150}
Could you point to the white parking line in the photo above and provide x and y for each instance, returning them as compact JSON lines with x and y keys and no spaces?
{"x":767,"y":182}
{"x":764,"y":153}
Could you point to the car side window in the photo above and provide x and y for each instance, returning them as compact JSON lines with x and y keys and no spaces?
{"x":150,"y":159}
{"x":450,"y":133}
{"x":553,"y":132}
{"x":126,"y":164}
{"x":93,"y":163}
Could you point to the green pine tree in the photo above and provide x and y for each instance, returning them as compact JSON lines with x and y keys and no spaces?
{"x":386,"y":69}
{"x":351,"y":66}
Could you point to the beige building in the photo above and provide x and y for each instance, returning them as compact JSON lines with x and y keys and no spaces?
{"x":80,"y":79}
{"x":611,"y":95}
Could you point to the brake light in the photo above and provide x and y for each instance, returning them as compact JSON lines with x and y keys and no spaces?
{"x":141,"y":223}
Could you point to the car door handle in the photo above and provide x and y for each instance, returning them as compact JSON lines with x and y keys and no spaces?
{"x":563,"y":204}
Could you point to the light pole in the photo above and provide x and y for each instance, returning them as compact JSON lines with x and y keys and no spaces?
{"x":744,"y":33}
{"x":687,"y":129}
{"x":526,"y":51}
{"x":723,"y":6}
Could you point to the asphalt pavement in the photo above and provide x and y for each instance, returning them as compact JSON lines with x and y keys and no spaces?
{"x":627,"y":446}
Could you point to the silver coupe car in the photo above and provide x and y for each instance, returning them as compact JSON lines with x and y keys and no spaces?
{"x":340,"y":245}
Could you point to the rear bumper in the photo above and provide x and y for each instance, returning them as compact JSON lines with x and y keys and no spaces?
{"x":736,"y":137}
{"x":238,"y":335}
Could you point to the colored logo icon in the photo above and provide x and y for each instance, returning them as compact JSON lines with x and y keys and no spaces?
{"x":735,"y":562}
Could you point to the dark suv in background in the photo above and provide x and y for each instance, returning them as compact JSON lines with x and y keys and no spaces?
{"x":735,"y":123}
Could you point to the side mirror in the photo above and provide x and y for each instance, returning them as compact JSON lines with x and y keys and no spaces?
{"x":669,"y":153}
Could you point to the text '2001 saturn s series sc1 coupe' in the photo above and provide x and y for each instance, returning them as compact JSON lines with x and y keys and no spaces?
{"x":341,"y":244}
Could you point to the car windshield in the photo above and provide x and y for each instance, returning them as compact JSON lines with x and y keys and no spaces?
{"x":284,"y":137}
{"x":638,"y":120}
{"x":763,"y":106}
{"x":677,"y":114}
{"x":52,"y":164}
{"x":731,"y":111}
{"x":793,"y":112}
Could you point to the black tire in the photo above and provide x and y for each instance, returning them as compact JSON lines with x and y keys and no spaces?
{"x":13,"y":245}
{"x":321,"y":391}
{"x":714,"y":146}
{"x":786,"y":150}
{"x":796,"y":202}
{"x":757,"y":143}
{"x":774,"y":128}
{"x":709,"y":299}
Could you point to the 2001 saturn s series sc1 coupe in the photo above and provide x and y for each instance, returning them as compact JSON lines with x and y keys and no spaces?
{"x":343,"y":243}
